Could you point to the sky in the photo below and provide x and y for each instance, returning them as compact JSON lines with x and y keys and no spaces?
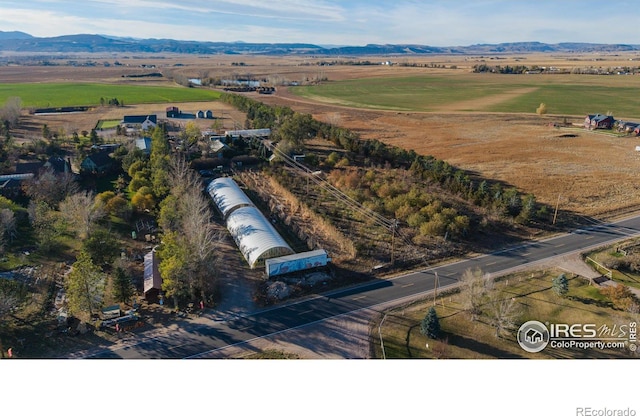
{"x":332,"y":22}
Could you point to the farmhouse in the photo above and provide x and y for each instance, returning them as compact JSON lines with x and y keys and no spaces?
{"x":626,"y":126}
{"x":97,"y":163}
{"x":144,"y":123}
{"x":218,"y":148}
{"x":598,"y":121}
{"x":58,"y":164}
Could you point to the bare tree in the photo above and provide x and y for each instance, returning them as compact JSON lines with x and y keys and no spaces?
{"x":188,"y":211}
{"x":504,"y":313}
{"x":473,"y":291}
{"x":11,"y":111}
{"x":51,"y":187}
{"x":81,"y":211}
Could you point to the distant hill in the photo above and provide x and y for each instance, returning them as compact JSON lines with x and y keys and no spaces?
{"x":85,"y":43}
{"x":14,"y":35}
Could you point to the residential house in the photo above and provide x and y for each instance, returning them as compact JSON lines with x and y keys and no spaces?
{"x":217,"y":148}
{"x":97,"y":163}
{"x":598,"y":121}
{"x":144,"y":123}
{"x":58,"y":164}
{"x":29,"y":167}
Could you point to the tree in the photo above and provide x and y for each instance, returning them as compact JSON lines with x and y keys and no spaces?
{"x":44,"y":221}
{"x":50,"y":187}
{"x":102,"y":247}
{"x":560,"y":285}
{"x":122,"y":285}
{"x":81,"y":211}
{"x":84,"y":285}
{"x":621,"y":297}
{"x":94,"y":138}
{"x":473,"y":290}
{"x":46,"y":132}
{"x":504,"y":313}
{"x":542,"y":109}
{"x":10,"y":112}
{"x":430,"y":325}
{"x":172,"y":267}
{"x":8,"y":227}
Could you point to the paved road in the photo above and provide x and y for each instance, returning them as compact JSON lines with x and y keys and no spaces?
{"x":202,"y":338}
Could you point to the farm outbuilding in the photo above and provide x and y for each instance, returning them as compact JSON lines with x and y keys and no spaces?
{"x":227,"y":195}
{"x":254,"y":235}
{"x":296,"y":262}
{"x":152,"y":279}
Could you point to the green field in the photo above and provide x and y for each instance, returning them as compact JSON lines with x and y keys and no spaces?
{"x":107,"y":124}
{"x":89,"y":94}
{"x":563,"y":94}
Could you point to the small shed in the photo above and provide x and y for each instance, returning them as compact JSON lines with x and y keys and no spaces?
{"x":200,"y":114}
{"x":152,"y":279}
{"x":208,"y":114}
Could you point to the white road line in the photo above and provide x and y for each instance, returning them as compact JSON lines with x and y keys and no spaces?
{"x":359,"y":297}
{"x":407,"y":285}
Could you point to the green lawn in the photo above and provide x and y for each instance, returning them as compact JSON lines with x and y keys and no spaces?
{"x":53,"y":95}
{"x":563,"y":94}
{"x":107,"y":124}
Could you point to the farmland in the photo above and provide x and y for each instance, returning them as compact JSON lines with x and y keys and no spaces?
{"x":89,"y":94}
{"x":563,"y":94}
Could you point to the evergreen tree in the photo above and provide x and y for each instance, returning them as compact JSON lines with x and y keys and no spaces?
{"x":122,"y":285}
{"x":430,"y":325}
{"x":560,"y":285}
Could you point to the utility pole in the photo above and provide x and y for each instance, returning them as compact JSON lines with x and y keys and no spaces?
{"x":435,"y":290}
{"x":555,"y":214}
{"x":393,"y":238}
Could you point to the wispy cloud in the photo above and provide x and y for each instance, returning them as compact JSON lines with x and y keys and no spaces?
{"x":432,"y":22}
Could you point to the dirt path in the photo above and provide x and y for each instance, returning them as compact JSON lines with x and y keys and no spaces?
{"x":486,"y":101}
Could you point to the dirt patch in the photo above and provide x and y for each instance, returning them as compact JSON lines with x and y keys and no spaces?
{"x":486,"y":101}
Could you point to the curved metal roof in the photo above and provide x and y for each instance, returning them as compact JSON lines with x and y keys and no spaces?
{"x":227,"y":195}
{"x":255,"y":236}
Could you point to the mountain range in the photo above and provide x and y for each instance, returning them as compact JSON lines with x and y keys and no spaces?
{"x":89,"y":43}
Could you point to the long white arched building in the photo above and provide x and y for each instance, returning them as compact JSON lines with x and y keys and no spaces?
{"x":253,"y":233}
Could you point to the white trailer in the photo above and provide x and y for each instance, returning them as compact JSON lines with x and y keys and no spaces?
{"x":296,"y":262}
